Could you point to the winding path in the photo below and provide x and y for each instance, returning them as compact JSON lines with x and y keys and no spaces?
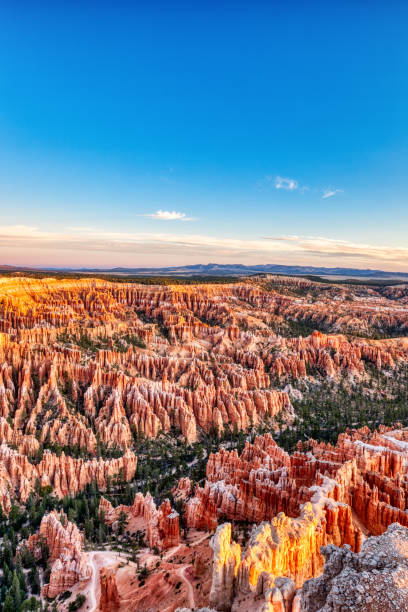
{"x":171,"y":552}
{"x":190,"y":591}
{"x":93,"y":585}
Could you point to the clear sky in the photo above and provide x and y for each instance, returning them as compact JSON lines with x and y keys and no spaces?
{"x":166,"y":133}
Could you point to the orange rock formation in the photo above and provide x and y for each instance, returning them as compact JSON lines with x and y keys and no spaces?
{"x":161,"y":524}
{"x":109,"y":599}
{"x":87,"y":366}
{"x":64,"y":541}
{"x":65,"y":474}
{"x":73,"y":366}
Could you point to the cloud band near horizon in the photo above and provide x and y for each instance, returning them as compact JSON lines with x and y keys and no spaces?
{"x":25,"y":245}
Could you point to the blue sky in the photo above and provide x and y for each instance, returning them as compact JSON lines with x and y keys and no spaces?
{"x":173,"y":133}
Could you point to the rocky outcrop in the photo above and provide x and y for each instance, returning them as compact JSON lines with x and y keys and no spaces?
{"x":167,"y":526}
{"x":375,"y":579}
{"x":286,"y":547}
{"x":109,"y":599}
{"x":64,"y":542}
{"x":183,"y":490}
{"x":364,"y":472}
{"x":265,"y":481}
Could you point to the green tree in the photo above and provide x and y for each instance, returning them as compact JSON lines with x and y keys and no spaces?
{"x":9,"y":604}
{"x":34,"y":579}
{"x":122,"y":522}
{"x":15,"y":591}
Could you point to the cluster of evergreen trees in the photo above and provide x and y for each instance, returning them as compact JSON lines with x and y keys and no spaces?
{"x":20,"y":577}
{"x":327,"y":410}
{"x":18,"y":587}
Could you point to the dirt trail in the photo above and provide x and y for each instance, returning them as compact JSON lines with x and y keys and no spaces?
{"x":93,"y":585}
{"x":190,"y":591}
{"x":171,"y":552}
{"x":200,"y":540}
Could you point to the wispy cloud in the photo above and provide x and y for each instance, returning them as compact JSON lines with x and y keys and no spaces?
{"x":167,"y":215}
{"x":282,"y":238}
{"x":83,"y":243}
{"x":291,"y":184}
{"x":361,"y":252}
{"x":329,"y":193}
{"x":286,"y":183}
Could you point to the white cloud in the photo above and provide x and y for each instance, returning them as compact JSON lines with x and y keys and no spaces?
{"x":290,"y":184}
{"x":329,"y":193}
{"x":286,"y":183}
{"x":167,"y":215}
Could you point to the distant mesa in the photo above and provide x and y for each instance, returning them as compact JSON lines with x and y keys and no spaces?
{"x":214,"y":269}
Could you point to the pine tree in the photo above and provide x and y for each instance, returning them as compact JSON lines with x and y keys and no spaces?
{"x":34,"y":580}
{"x":9,"y":604}
{"x":21,"y":577}
{"x":15,"y":591}
{"x":122,"y":522}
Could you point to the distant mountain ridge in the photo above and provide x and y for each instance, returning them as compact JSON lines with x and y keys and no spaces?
{"x":214,"y":269}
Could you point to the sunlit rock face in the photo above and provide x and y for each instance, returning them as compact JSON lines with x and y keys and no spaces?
{"x":227,"y":557}
{"x":373,"y":580}
{"x":64,"y":542}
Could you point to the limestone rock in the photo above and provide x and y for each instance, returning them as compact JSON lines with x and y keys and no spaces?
{"x":375,"y":579}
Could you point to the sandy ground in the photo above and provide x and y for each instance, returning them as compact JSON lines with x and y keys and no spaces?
{"x":176,"y":578}
{"x":91,"y":588}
